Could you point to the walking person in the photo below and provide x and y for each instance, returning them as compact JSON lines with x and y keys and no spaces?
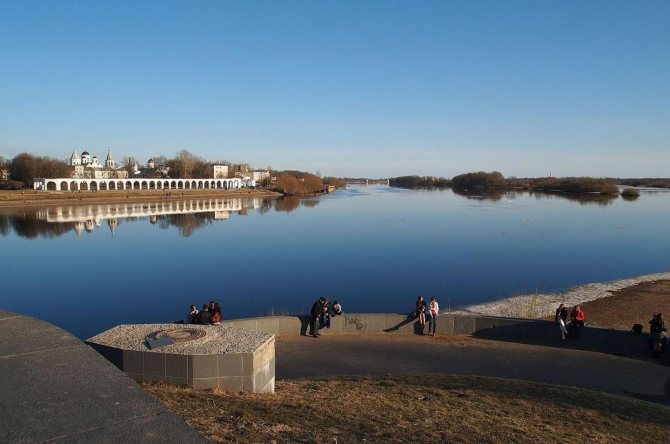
{"x":421,"y":311}
{"x":434,"y":311}
{"x":576,"y":321}
{"x":561,"y":318}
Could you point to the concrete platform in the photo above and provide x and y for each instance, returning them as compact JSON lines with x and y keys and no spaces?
{"x":54,"y":388}
{"x":201,"y":356}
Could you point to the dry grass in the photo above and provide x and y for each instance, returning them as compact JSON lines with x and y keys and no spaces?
{"x":428,"y":408}
{"x":527,"y":306}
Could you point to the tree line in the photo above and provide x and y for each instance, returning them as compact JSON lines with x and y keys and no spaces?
{"x":480,"y":180}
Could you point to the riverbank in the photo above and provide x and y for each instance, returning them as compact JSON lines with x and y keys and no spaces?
{"x":31,"y":198}
{"x":628,"y":301}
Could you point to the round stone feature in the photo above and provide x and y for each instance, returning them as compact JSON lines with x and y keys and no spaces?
{"x":178,"y":334}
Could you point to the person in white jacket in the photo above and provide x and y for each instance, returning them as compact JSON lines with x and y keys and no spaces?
{"x":434,"y":311}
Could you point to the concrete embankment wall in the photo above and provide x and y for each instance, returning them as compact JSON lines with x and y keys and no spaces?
{"x":54,"y":388}
{"x":517,"y":330}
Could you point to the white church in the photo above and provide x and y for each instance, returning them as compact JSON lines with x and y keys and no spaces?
{"x":87,"y":167}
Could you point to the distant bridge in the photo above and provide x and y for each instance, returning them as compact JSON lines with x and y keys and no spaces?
{"x":67,"y":184}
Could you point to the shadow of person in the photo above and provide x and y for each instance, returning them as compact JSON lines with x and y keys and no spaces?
{"x":404,"y":322}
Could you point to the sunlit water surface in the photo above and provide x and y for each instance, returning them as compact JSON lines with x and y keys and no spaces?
{"x":373,"y":248}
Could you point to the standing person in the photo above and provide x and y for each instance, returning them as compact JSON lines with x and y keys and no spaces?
{"x":190,"y":318}
{"x":561,"y":318}
{"x":325,"y":316}
{"x":658,"y":330}
{"x":421,"y":311}
{"x":316,"y":312}
{"x":204,"y":316}
{"x":576,"y":321}
{"x":434,"y":311}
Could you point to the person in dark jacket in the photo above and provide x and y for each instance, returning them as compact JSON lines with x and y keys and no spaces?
{"x":316,"y":312}
{"x":561,"y":319}
{"x":658,"y":331}
{"x":204,"y":316}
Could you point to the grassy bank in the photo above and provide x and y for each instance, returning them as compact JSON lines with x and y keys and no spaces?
{"x":430,"y":408}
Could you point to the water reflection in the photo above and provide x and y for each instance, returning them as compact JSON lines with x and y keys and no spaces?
{"x":497,"y":195}
{"x":187,"y":215}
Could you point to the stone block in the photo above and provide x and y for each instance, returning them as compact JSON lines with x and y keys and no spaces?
{"x":288,"y":325}
{"x":205,"y":366}
{"x":247,"y":364}
{"x":230,"y":365}
{"x":133,"y":361}
{"x":264,"y":375}
{"x":445,"y":324}
{"x":232,"y":383}
{"x":464,"y":325}
{"x":375,"y":323}
{"x":154,"y":365}
{"x":176,"y":366}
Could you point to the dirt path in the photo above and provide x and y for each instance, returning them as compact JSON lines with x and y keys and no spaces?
{"x":303,"y":356}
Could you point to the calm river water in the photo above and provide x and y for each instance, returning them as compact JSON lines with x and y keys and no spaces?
{"x":373,"y":248}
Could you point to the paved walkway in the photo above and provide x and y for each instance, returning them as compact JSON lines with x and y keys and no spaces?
{"x":54,"y":388}
{"x":304,"y":356}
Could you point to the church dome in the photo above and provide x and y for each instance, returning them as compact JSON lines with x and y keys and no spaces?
{"x":85,"y":153}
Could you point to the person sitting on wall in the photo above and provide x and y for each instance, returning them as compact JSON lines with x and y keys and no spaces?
{"x":190,"y":318}
{"x":216,"y":314}
{"x":336,"y":309}
{"x":576,"y":321}
{"x":204,"y":316}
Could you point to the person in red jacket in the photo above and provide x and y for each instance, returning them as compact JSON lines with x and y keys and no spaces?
{"x":577,"y":321}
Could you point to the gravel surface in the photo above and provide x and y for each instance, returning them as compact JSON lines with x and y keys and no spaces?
{"x":545,"y":304}
{"x":219,"y":339}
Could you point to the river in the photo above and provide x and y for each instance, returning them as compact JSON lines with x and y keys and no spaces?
{"x":374,"y":248}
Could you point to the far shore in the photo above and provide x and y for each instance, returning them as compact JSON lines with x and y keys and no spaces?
{"x":543,"y":305}
{"x":32,"y":198}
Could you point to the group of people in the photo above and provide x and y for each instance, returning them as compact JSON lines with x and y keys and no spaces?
{"x":322,"y":310}
{"x":209,"y":315}
{"x":569,"y":328}
{"x":429,"y":311}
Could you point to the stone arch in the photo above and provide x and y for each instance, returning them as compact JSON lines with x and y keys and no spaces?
{"x":64,"y":186}
{"x":180,"y":184}
{"x":74,"y":185}
{"x":129,"y":185}
{"x":136,"y":185}
{"x":166,"y":185}
{"x":93,"y":185}
{"x":112,"y":185}
{"x":173,"y":185}
{"x":83,"y":186}
{"x":51,"y":185}
{"x":102,"y":185}
{"x":194,"y":184}
{"x":144,"y":185}
{"x":206,"y":184}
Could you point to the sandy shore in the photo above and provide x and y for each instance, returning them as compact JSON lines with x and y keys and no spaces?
{"x":31,"y":199}
{"x":544,"y":304}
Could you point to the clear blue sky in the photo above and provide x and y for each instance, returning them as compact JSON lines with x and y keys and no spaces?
{"x":346,"y":88}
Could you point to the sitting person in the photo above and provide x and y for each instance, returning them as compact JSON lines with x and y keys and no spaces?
{"x":190,"y":318}
{"x":203,"y":317}
{"x":336,"y":309}
{"x":216,"y":314}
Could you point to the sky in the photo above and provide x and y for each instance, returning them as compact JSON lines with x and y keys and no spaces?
{"x":345,"y":88}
